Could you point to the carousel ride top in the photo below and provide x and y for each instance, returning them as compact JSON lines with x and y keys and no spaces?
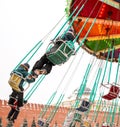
{"x":104,"y":37}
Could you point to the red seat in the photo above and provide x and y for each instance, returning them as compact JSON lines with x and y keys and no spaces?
{"x":113,"y":93}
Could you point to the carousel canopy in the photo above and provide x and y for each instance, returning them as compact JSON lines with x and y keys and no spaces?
{"x":105,"y":32}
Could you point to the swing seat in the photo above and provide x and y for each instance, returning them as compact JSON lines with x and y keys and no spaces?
{"x":86,"y":124}
{"x":15,"y":80}
{"x":77,"y":117}
{"x":85,"y":105}
{"x":69,"y":119}
{"x":105,"y":126}
{"x":59,"y":54}
{"x":113,"y":93}
{"x":40,"y":123}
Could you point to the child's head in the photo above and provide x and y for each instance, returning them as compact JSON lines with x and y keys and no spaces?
{"x":26,"y":66}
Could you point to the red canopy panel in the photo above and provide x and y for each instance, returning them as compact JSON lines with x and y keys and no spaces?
{"x":98,"y":9}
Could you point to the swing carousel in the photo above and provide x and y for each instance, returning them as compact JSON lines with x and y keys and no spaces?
{"x":96,"y":24}
{"x":105,"y":32}
{"x":97,"y":27}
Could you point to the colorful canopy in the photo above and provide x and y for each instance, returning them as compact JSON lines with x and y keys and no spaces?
{"x":105,"y":33}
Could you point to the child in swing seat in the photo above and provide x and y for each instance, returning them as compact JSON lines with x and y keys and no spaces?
{"x":16,"y":98}
{"x":44,"y":65}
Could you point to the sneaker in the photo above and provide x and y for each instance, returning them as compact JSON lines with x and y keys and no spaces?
{"x":8,"y":119}
{"x":12,"y":120}
{"x":25,"y":101}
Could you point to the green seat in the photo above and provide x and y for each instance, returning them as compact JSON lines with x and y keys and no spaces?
{"x":77,"y":117}
{"x":61,"y":54}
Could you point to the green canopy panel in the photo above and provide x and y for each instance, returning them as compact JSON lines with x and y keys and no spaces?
{"x":100,"y":48}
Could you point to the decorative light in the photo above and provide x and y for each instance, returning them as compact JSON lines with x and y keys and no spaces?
{"x":102,"y":10}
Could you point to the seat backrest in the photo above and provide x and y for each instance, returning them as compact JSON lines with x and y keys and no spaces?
{"x":77,"y":117}
{"x":85,"y":104}
{"x":60,"y":54}
{"x":15,"y":80}
{"x":53,"y":48}
{"x":86,"y":124}
{"x":41,"y":123}
{"x":114,"y":89}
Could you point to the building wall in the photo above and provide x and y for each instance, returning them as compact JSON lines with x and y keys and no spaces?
{"x":31,"y":111}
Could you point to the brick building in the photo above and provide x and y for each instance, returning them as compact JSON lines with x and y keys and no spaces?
{"x":31,"y":111}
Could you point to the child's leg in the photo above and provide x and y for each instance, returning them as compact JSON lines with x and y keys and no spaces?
{"x":10,"y":113}
{"x":39,"y":64}
{"x":12,"y":98}
{"x":15,"y":115}
{"x":20,"y":100}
